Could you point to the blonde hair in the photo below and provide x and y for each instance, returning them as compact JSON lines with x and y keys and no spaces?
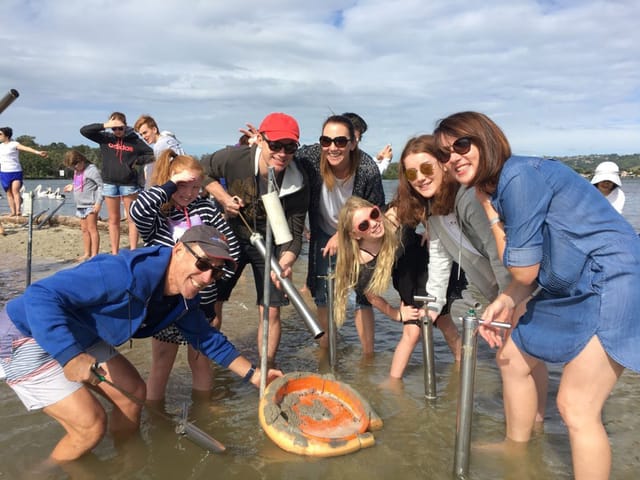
{"x":170,"y":163}
{"x":348,"y":265}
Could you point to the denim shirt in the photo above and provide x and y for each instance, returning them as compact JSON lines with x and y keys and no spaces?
{"x":555,"y":218}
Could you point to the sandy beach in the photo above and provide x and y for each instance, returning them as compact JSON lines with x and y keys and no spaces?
{"x":61,"y":239}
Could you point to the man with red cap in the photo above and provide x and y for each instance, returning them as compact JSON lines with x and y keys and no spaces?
{"x":245,"y":170}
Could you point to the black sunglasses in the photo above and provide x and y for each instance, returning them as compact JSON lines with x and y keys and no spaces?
{"x":117,"y":129}
{"x":203,"y":264}
{"x":426,"y":169}
{"x":461,"y":146}
{"x":374,"y":215}
{"x":340,"y":142}
{"x":276,"y":146}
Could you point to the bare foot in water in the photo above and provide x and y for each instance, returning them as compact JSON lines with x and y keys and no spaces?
{"x":505,"y":447}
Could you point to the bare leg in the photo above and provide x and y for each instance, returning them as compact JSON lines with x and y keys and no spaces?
{"x":113,"y":212}
{"x":519,"y":391}
{"x":323,"y":321}
{"x":274,"y":334}
{"x":84,"y":421}
{"x":201,"y":371}
{"x":586,"y":383}
{"x":125,"y":416}
{"x":14,"y":198}
{"x":217,"y":322}
{"x":133,"y":230}
{"x":365,"y":328}
{"x":540,"y":376}
{"x":94,"y":235}
{"x":451,"y":335}
{"x":406,"y":345}
{"x":86,"y":240}
{"x":163,"y":354}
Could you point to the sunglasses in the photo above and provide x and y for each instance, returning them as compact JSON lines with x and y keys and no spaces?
{"x":425,"y":168}
{"x":340,"y":142}
{"x":277,"y":145}
{"x":117,"y":129}
{"x":461,"y":146}
{"x":374,"y":215}
{"x":203,"y":264}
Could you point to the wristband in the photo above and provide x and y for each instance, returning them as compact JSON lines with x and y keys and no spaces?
{"x":249,"y":374}
{"x":493,"y":221}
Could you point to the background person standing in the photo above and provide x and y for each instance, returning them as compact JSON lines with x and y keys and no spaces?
{"x":122,"y":149}
{"x":10,"y":168}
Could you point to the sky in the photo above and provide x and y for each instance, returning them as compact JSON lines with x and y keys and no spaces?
{"x":561,"y":77}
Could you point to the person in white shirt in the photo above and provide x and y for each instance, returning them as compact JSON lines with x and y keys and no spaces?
{"x":10,"y":168}
{"x":607,"y":179}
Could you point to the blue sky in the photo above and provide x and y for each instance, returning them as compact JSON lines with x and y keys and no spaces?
{"x":560,"y":77}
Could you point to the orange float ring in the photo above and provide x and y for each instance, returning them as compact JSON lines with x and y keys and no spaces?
{"x":317,"y":415}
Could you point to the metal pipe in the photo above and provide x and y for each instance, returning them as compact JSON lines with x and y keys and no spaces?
{"x":28,"y":209}
{"x":470,"y":325}
{"x":333,"y":355}
{"x":428,"y":353}
{"x":293,"y":294}
{"x":465,"y":397}
{"x":266,"y":292}
{"x":8,"y":99}
{"x":183,"y":427}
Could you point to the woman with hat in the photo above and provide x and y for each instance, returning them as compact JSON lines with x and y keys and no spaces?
{"x":607,"y":179}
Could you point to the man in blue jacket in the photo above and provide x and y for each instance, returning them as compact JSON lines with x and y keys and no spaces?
{"x":52,"y":336}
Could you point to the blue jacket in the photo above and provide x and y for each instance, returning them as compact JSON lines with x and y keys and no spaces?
{"x":106,"y":299}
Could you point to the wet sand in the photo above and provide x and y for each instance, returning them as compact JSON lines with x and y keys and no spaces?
{"x":61,"y":239}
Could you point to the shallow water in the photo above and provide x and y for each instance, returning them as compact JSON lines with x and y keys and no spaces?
{"x":416,"y":441}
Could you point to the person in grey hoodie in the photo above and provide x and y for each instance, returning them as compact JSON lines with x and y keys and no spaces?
{"x":87,"y":193}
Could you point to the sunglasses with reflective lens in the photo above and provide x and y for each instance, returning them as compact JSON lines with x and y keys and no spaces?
{"x":340,"y":142}
{"x":426,"y":169}
{"x":461,"y":146}
{"x":374,"y":215}
{"x":117,"y":129}
{"x":276,"y":146}
{"x":203,"y":264}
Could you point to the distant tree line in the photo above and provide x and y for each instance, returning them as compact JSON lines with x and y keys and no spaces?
{"x":38,"y":167}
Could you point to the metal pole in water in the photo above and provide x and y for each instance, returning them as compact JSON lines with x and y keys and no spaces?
{"x":428,"y":353}
{"x":266,"y":293}
{"x":293,"y":294}
{"x":465,"y":399}
{"x":27,"y":207}
{"x":332,"y":326}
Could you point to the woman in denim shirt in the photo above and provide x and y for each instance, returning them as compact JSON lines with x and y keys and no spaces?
{"x":555,"y":231}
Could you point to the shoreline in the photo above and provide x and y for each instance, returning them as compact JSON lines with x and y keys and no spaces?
{"x":59,"y":239}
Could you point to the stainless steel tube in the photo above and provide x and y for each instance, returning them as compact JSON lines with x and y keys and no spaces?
{"x":293,"y":294}
{"x":465,"y":398}
{"x":428,"y":352}
{"x":8,"y":99}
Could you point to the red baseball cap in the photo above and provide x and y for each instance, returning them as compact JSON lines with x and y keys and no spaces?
{"x":280,"y":126}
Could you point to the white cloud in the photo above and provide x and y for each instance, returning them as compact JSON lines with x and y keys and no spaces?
{"x":560,"y":77}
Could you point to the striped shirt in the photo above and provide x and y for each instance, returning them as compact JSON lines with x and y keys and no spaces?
{"x":158,"y":228}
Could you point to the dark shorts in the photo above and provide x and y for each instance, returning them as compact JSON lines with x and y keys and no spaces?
{"x":7,"y":178}
{"x":250,"y":255}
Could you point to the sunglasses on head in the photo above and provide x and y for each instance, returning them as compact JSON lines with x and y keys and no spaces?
{"x":340,"y":142}
{"x":204,"y":264}
{"x":425,"y":168}
{"x":276,"y":146}
{"x":117,"y":129}
{"x":461,"y":146}
{"x":374,"y":215}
